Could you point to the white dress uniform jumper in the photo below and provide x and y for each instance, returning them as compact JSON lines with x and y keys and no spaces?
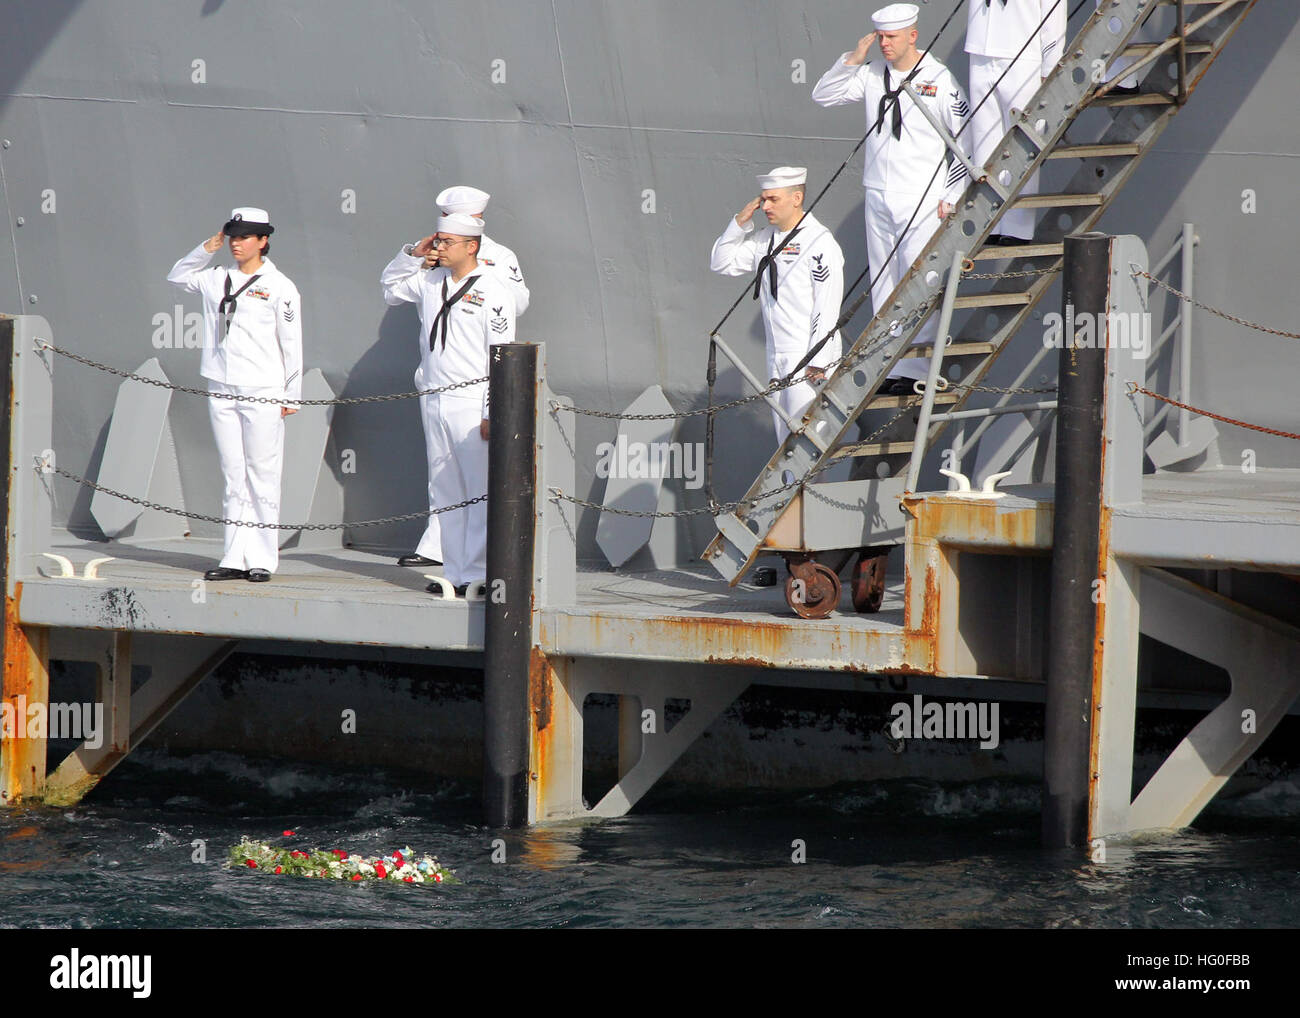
{"x":465,"y":318}
{"x":996,"y":31}
{"x":900,"y":159}
{"x":799,"y":292}
{"x":501,"y":260}
{"x":252,"y":346}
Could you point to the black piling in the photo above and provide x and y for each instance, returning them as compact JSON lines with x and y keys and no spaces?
{"x":1067,"y":739}
{"x":512,"y":500}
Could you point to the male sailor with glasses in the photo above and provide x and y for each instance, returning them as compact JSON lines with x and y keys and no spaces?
{"x":252,"y":350}
{"x":799,"y":283}
{"x":1013,"y":47}
{"x":500,"y":259}
{"x":468,"y":308}
{"x":909,"y":174}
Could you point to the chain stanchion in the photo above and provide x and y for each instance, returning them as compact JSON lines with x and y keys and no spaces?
{"x":261,"y":526}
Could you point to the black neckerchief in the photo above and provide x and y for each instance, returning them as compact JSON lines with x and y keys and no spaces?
{"x":768,"y":261}
{"x":444,"y":312}
{"x":896,"y":122}
{"x":229,"y":298}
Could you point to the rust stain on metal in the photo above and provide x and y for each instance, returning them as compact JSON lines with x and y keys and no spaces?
{"x":26,"y":674}
{"x":930,"y":614}
{"x":539,"y":689}
{"x":1098,"y":655}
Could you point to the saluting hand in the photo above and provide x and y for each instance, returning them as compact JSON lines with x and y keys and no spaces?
{"x":747,"y":213}
{"x":213,"y":243}
{"x":424,"y":247}
{"x":860,"y":54}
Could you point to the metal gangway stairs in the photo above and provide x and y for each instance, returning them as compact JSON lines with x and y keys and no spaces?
{"x":1078,"y":115}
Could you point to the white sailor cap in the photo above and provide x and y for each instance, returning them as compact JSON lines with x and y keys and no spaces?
{"x":460,"y":225}
{"x":894,"y":17}
{"x":469,"y":200}
{"x":783,"y":176}
{"x":248,"y":222}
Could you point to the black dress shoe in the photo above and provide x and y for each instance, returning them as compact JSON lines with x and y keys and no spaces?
{"x":225,"y":573}
{"x":764,"y":577}
{"x":417,"y":560}
{"x":1126,"y":90}
{"x":259,"y":575}
{"x":460,"y":591}
{"x":898,"y":387}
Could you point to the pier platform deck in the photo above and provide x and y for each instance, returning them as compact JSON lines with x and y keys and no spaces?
{"x":348,"y":596}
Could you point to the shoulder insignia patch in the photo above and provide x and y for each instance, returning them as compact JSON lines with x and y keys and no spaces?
{"x":289,"y":312}
{"x":820,"y":272}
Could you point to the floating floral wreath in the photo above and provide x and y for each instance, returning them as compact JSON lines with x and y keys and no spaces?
{"x":401,"y":867}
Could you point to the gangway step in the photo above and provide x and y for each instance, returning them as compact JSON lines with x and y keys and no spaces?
{"x":872,"y":449}
{"x":898,"y":402}
{"x":957,"y":349}
{"x":993,"y":300}
{"x":1142,"y":48}
{"x":1141,"y":99}
{"x":1050,"y":201}
{"x":1093,"y":151}
{"x":1007,"y":252}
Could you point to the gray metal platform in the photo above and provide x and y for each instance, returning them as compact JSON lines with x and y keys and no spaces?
{"x":355,"y":597}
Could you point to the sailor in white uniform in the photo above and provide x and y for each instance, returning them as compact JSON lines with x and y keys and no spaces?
{"x":799,"y":287}
{"x":468,"y":201}
{"x":901,"y":154}
{"x":468,"y":308}
{"x":252,"y":347}
{"x":996,"y":31}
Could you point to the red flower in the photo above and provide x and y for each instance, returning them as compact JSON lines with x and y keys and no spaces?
{"x":277,"y":869}
{"x":250,"y":864}
{"x":397,"y":858}
{"x":380,"y":872}
{"x":437,"y":878}
{"x":408,"y":880}
{"x":288,"y":834}
{"x":356,"y":876}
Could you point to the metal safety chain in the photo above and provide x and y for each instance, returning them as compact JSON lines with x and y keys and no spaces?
{"x":720,"y":507}
{"x":160,"y":383}
{"x":1136,"y":271}
{"x":258,"y":526}
{"x":1134,"y":387}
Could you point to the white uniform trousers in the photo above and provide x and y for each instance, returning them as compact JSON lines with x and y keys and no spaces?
{"x":793,"y":400}
{"x":250,"y":443}
{"x":459,"y":471}
{"x":990,"y":122}
{"x":430,"y":545}
{"x":887,"y":215}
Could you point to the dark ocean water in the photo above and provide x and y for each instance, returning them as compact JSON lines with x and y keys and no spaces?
{"x":901,"y":853}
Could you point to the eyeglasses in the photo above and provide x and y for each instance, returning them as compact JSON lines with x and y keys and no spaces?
{"x":444,"y":242}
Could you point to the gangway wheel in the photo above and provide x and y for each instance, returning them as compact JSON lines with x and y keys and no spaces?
{"x":868,"y":587}
{"x":812,"y":589}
